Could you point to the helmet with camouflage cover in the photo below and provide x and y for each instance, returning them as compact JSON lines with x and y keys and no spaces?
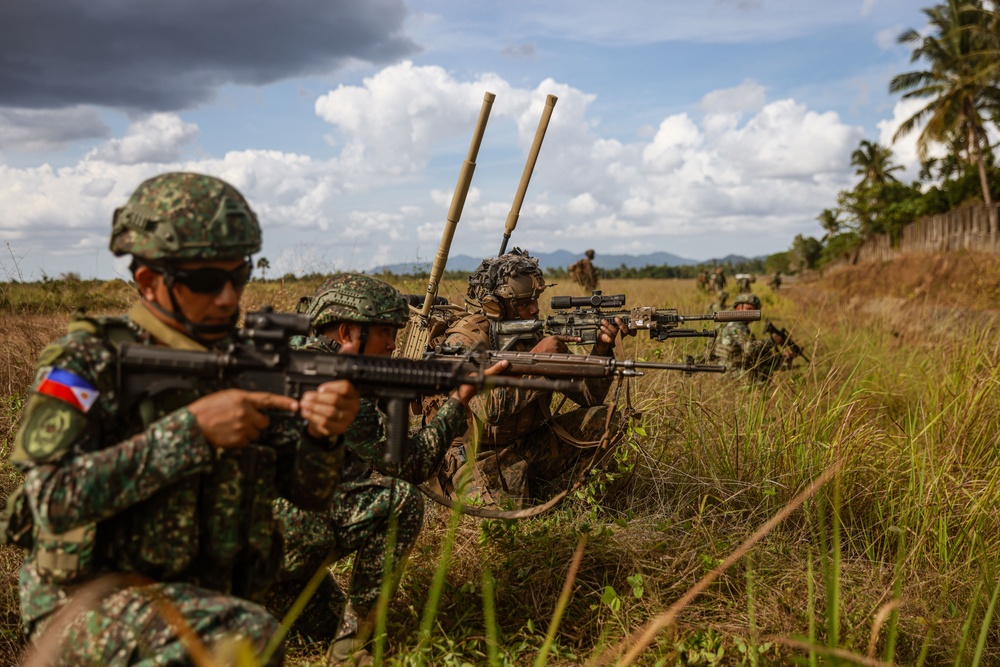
{"x":747,"y":297}
{"x":184,"y":216}
{"x":354,"y":297}
{"x":514,"y":275}
{"x":589,"y":254}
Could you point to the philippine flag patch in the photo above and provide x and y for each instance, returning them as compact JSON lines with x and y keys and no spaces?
{"x":70,"y":387}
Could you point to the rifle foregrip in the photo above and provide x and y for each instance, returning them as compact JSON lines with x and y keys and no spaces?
{"x":736,"y":316}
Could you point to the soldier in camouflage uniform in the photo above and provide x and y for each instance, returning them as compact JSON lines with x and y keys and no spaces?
{"x":522,"y":448}
{"x":717,"y":281}
{"x":776,"y":281}
{"x":584,"y":273}
{"x":744,"y":355}
{"x":173,"y":488}
{"x":743,"y":282}
{"x":358,"y":314}
{"x":702,"y":281}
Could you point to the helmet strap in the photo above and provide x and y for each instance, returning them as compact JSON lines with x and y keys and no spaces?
{"x":363,"y":340}
{"x":193,"y":329}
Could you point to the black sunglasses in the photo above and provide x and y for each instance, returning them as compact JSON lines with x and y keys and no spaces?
{"x":209,"y":280}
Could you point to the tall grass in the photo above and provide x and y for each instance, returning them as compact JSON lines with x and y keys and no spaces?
{"x":897,"y":559}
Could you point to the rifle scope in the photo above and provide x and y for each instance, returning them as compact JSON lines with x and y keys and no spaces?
{"x":595,"y":300}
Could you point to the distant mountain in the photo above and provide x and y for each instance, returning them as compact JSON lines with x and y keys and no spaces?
{"x":734,"y":259}
{"x":559,"y":259}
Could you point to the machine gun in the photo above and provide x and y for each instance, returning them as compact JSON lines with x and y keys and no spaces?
{"x":556,"y":365}
{"x":781,"y":337}
{"x":580,"y":316}
{"x":261,"y":360}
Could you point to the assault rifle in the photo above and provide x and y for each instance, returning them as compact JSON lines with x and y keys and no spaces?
{"x":261,"y":360}
{"x":581,"y":316}
{"x":554,"y":364}
{"x":781,"y":337}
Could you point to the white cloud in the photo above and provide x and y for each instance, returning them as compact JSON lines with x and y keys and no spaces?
{"x":748,"y":96}
{"x":905,"y":149}
{"x":157,"y":139}
{"x":886,"y":39}
{"x":767,"y":172}
{"x":393,"y":119}
{"x":676,"y":138}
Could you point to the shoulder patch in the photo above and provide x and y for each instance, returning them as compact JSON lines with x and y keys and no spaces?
{"x":82,"y":326}
{"x":50,"y":354}
{"x":49,"y":427}
{"x":69,"y":387}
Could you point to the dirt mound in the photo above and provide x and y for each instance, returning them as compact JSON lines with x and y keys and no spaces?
{"x":963,"y":279}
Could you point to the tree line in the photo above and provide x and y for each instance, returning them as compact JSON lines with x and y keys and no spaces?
{"x":957,"y":80}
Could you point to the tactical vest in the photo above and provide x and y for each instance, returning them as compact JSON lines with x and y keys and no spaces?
{"x":212,"y":528}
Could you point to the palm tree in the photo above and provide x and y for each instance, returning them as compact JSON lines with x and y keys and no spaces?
{"x":874,"y":163}
{"x":263,"y":265}
{"x":829,"y":220}
{"x":959,"y":84}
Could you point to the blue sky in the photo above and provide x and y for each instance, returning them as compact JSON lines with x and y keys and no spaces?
{"x":697,"y":128}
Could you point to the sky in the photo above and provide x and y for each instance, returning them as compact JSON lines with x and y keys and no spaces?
{"x":697,"y":128}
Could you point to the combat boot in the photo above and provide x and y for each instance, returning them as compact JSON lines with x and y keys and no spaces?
{"x":348,"y":647}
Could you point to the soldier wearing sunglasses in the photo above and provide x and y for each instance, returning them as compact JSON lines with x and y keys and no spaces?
{"x":162,"y":502}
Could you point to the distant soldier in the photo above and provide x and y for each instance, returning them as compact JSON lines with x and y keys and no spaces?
{"x":744,"y":355}
{"x":744,"y":280}
{"x":584,"y":273}
{"x":717,"y":280}
{"x":703,"y":280}
{"x":776,"y":281}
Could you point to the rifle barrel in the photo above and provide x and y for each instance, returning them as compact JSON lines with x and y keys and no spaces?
{"x":522,"y":188}
{"x":457,"y":204}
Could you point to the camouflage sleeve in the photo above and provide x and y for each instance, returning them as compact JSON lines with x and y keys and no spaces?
{"x":497,"y":404}
{"x":91,"y":487}
{"x":73,"y":475}
{"x":424,"y":449}
{"x":762,"y":357}
{"x":308,"y":469}
{"x":594,"y":390}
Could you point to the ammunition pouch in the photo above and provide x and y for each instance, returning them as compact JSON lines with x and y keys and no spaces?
{"x":16,"y":521}
{"x":65,"y":558}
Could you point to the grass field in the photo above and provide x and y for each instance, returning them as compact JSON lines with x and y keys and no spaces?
{"x":894,"y":560}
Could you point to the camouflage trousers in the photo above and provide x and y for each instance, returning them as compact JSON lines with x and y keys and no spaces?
{"x":357,"y":522}
{"x":537,"y":465}
{"x":131,"y":626}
